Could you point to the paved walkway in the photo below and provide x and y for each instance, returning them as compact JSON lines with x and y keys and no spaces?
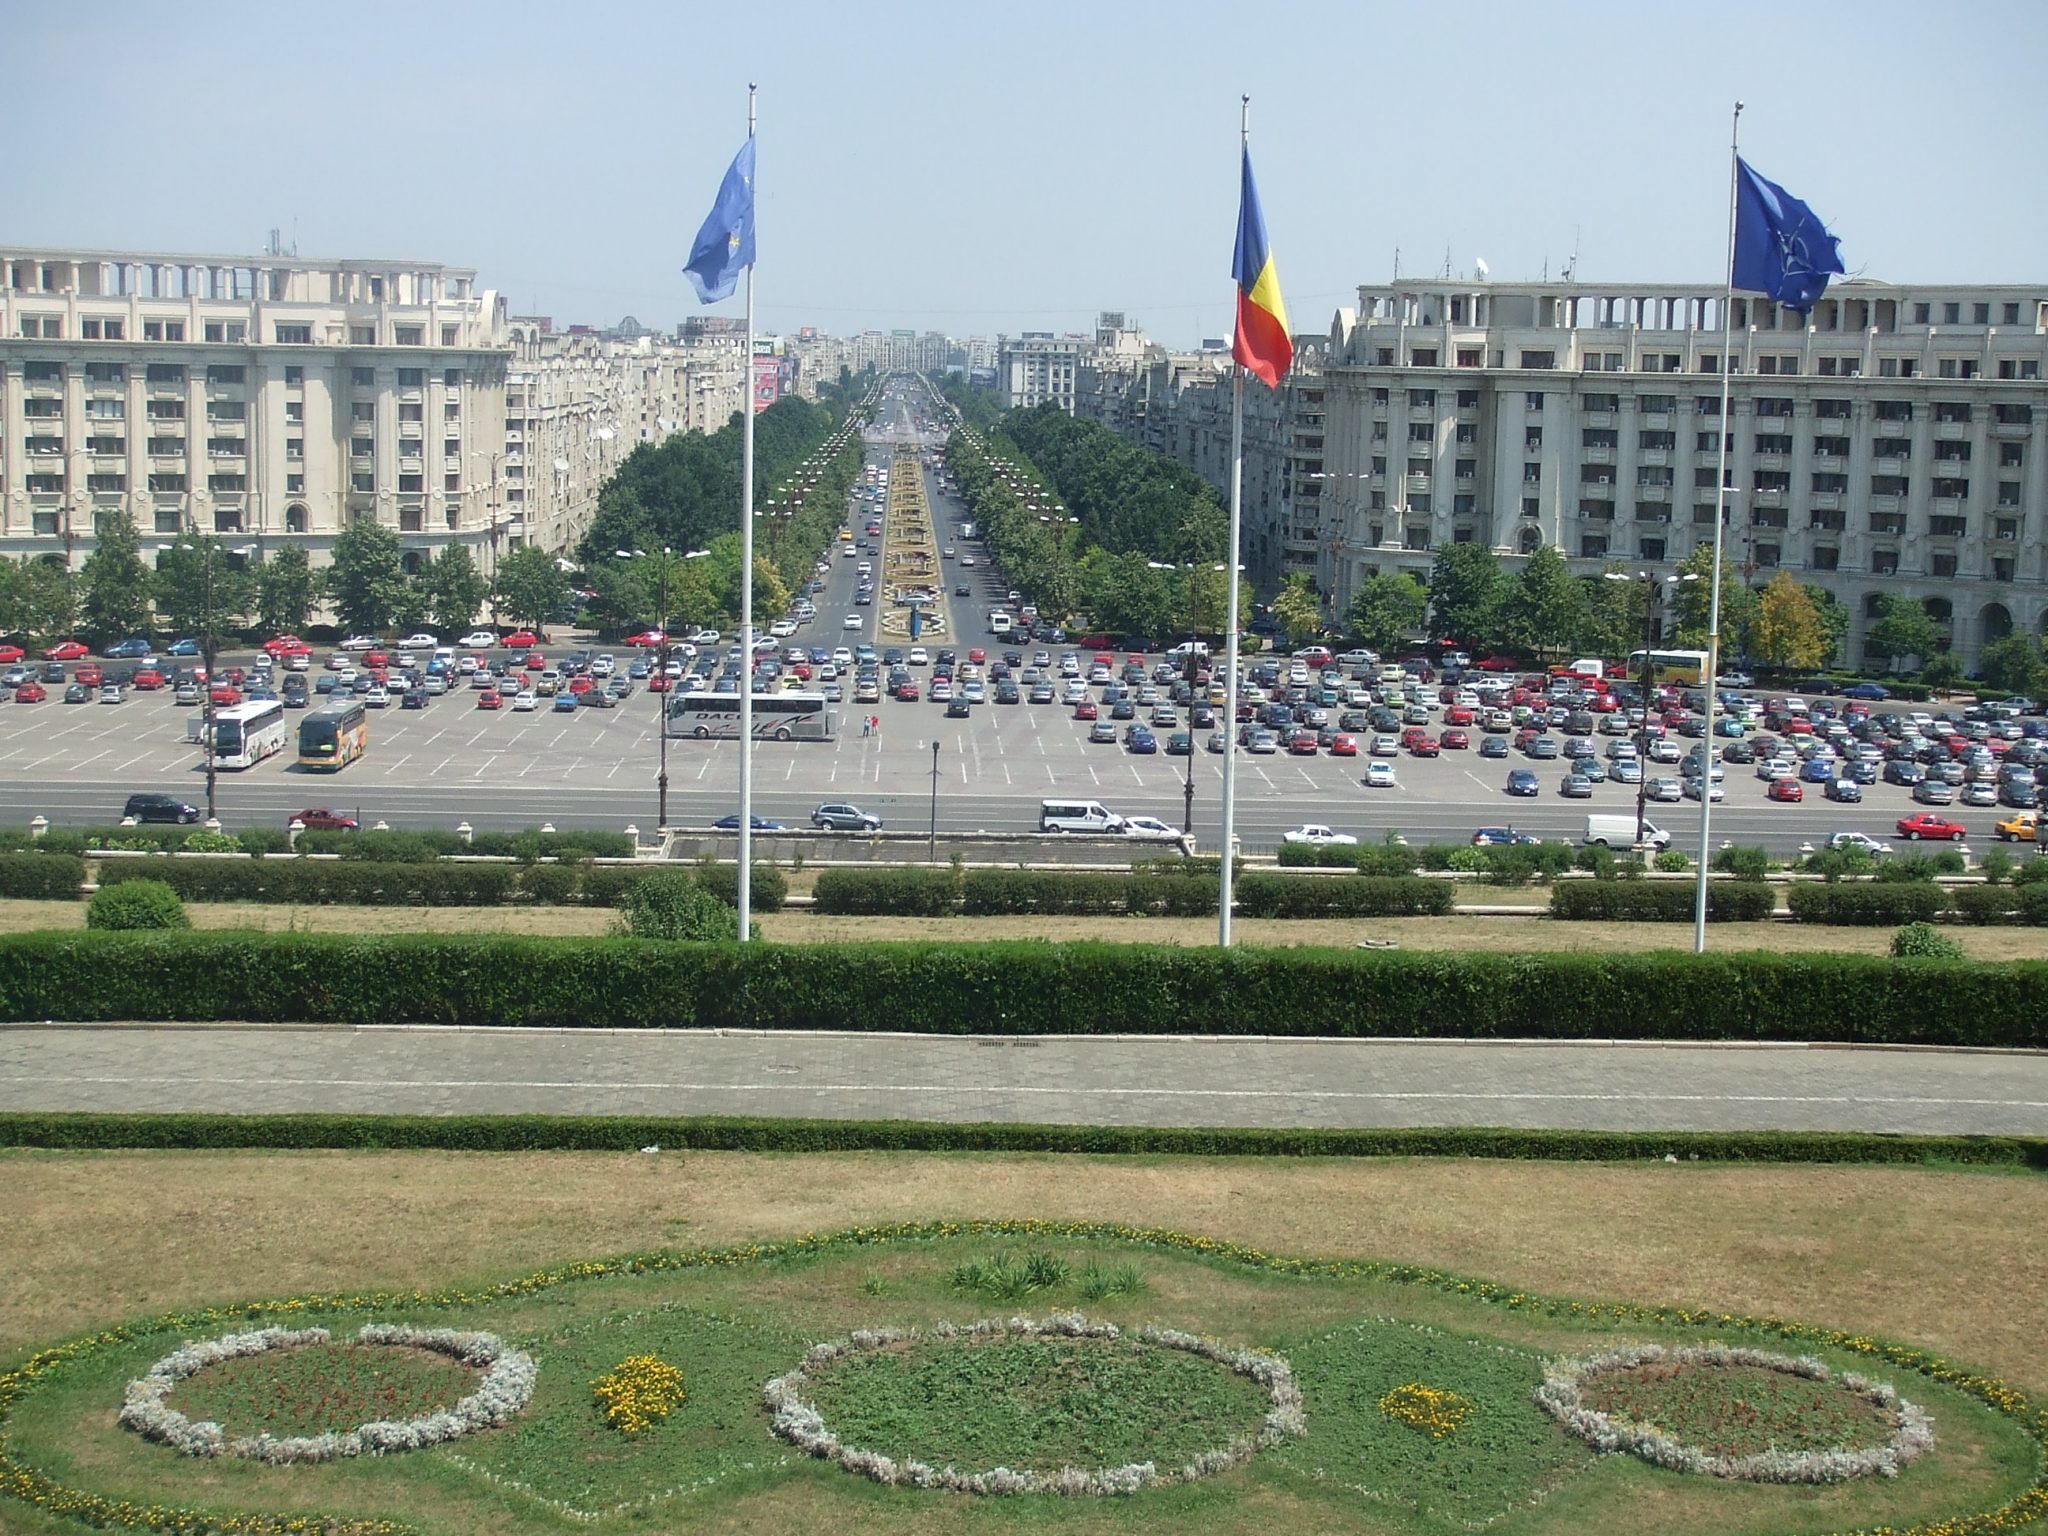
{"x":1119,"y":1081}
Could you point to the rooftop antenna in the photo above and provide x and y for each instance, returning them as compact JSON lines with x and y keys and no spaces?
{"x":1447,"y":264}
{"x":1397,"y":263}
{"x":1571,"y":267}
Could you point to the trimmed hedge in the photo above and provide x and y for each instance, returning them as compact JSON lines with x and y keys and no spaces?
{"x":1366,"y":858}
{"x":1343,"y":896}
{"x":624,"y":1133}
{"x":41,"y":876}
{"x":1660,"y":901}
{"x":901,"y":891}
{"x":304,"y":882}
{"x":993,"y":892}
{"x":1872,"y":905}
{"x":1025,"y":988}
{"x":2027,"y":904}
{"x":411,"y":847}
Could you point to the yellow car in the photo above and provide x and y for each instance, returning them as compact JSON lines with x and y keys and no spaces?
{"x":2019,"y":827}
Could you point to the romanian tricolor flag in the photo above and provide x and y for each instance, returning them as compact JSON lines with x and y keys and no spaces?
{"x":1262,"y":344}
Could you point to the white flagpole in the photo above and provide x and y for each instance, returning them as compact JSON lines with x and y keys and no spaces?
{"x":1699,"y":910}
{"x":1230,"y":645}
{"x":746,"y":869}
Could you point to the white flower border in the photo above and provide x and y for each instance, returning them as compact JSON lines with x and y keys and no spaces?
{"x":798,"y":1421}
{"x":507,"y":1384}
{"x":1912,"y":1433}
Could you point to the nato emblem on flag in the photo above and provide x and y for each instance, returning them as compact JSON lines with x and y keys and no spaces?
{"x":1781,"y":247}
{"x":725,"y":244}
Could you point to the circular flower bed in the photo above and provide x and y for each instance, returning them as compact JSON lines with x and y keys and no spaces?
{"x":1751,"y":1409}
{"x":506,"y":1384}
{"x":797,"y":1419}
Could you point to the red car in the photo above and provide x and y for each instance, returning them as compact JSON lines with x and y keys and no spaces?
{"x":582,"y":683}
{"x":1423,"y":746}
{"x":1344,"y":746}
{"x":30,"y":693}
{"x":1302,"y":744}
{"x":90,"y":675}
{"x":659,"y":683}
{"x":323,"y":821}
{"x":287,"y":645}
{"x":489,"y":699}
{"x":977,"y":656}
{"x":521,"y":640}
{"x":1912,"y":828}
{"x":1085,"y":710}
{"x":10,"y":654}
{"x":646,"y":640}
{"x":68,"y":650}
{"x":225,"y":694}
{"x":1459,"y":714}
{"x":907,"y":692}
{"x":149,"y":679}
{"x":377,"y":660}
{"x":1457,"y":741}
{"x":534,"y":661}
{"x":1785,"y":789}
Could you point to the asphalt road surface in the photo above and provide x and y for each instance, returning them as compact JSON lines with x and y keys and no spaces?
{"x":1118,"y":1081}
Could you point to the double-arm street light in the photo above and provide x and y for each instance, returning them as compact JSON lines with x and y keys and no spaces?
{"x":1652,"y":589}
{"x":209,"y":554}
{"x":663,"y":652}
{"x":1190,"y":667}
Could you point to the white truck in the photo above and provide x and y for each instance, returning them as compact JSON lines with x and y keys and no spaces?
{"x":1620,"y":832}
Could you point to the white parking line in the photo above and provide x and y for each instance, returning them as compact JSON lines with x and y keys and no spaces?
{"x":444,"y":768}
{"x":485,"y":767}
{"x":401,"y":763}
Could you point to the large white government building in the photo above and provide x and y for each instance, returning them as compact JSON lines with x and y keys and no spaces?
{"x":278,"y":398}
{"x":1894,"y":441}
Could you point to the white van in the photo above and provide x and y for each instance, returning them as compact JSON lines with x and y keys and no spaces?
{"x":1620,"y":832}
{"x":999,"y":623}
{"x":1077,"y":816}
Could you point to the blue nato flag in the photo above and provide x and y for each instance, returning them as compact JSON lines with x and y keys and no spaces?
{"x":725,"y":244}
{"x":1781,"y":247}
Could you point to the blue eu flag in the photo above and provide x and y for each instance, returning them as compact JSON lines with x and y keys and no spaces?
{"x":1781,"y":247}
{"x":726,"y":242}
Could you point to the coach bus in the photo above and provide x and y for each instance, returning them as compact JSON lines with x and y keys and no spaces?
{"x":245,"y":734}
{"x":1670,"y":666}
{"x":777,"y":716}
{"x":332,"y":737}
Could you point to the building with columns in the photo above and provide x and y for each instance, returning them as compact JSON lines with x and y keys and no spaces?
{"x":1895,"y":441}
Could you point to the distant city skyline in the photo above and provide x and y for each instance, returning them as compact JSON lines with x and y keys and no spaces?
{"x":927,"y":168}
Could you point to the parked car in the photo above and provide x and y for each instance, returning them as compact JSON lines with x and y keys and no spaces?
{"x":1522,"y":781}
{"x":1380,"y":775}
{"x":1788,"y":790}
{"x":67,"y":650}
{"x":1316,"y":835}
{"x":838,"y":816}
{"x":159,"y":808}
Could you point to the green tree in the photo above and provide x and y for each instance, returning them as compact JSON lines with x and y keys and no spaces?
{"x":2015,"y":663}
{"x":286,"y":590}
{"x":1466,"y":588}
{"x":366,"y":580}
{"x":532,"y":588}
{"x":1834,"y":622}
{"x":200,"y":591}
{"x":1298,"y":610}
{"x":1903,"y":628}
{"x":1695,"y":602}
{"x":1385,"y":608}
{"x":115,"y":603}
{"x":1941,"y":671}
{"x":413,"y":604}
{"x":1614,"y":613}
{"x":1545,"y":609}
{"x":1787,"y":635}
{"x":48,"y":602}
{"x":457,"y":589}
{"x":771,"y":597}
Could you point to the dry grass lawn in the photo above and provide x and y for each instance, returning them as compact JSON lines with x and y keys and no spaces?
{"x":1956,"y":1261}
{"x":1477,"y":933}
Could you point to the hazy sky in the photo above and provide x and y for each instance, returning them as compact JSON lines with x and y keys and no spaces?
{"x":971,"y":168}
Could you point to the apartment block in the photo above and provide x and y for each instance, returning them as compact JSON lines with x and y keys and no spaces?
{"x":1038,"y":366}
{"x":1895,"y":441}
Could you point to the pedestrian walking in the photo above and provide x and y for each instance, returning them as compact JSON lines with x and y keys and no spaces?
{"x":867,"y":725}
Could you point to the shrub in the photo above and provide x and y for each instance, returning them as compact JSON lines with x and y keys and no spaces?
{"x":1293,"y":896}
{"x":671,"y":904}
{"x":1085,"y":893}
{"x":767,"y":888}
{"x":1920,"y":866}
{"x":549,"y":885}
{"x":352,"y":882}
{"x":1743,"y":862}
{"x":2026,"y":904}
{"x":260,"y":841}
{"x":885,"y":892}
{"x":1673,"y":862}
{"x":1661,"y":901}
{"x":2031,"y":872}
{"x":1832,"y":864}
{"x":205,"y":841}
{"x":136,"y":904}
{"x":41,"y":876}
{"x":1868,"y":905}
{"x":1926,"y":942}
{"x":1997,"y":865}
{"x":1519,"y":863}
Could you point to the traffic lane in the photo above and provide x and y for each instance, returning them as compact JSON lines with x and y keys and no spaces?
{"x":1032,"y":1079}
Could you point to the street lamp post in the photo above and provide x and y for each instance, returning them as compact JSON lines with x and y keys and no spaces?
{"x":210,"y":651}
{"x":1650,"y":585}
{"x":932,"y":846}
{"x":663,"y":652}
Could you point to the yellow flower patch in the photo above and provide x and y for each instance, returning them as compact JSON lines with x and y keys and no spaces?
{"x":639,"y":1392}
{"x":1435,"y":1412}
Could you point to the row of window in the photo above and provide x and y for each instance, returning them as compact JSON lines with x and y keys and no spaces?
{"x":41,"y":371}
{"x":232,"y":333}
{"x":1777,"y":364}
{"x":1950,"y":411}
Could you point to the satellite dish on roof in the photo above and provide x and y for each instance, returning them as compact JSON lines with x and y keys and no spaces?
{"x":1479,"y":262}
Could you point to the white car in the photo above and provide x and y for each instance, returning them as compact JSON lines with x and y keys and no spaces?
{"x":852,"y":621}
{"x":377,"y":697}
{"x":1315,"y":835}
{"x":1842,"y":842}
{"x":918,"y":657}
{"x":474,"y":638}
{"x":1380,"y":776}
{"x":526,"y":700}
{"x":361,"y":643}
{"x":1151,"y":829}
{"x":420,"y":639}
{"x":604,"y":665}
{"x":705,"y":637}
{"x":782,"y":629}
{"x":842,"y":657}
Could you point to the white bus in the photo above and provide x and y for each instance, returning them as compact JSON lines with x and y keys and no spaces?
{"x":1670,"y":666}
{"x":777,"y":716}
{"x":244,"y":734}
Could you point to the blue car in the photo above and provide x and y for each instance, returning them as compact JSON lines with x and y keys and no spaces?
{"x":1866,"y":691}
{"x":1818,"y":770}
{"x":1141,"y":741}
{"x":565,"y":703}
{"x":759,"y":823}
{"x":130,"y":650}
{"x":1491,"y":837}
{"x":185,"y":647}
{"x":1522,"y":781}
